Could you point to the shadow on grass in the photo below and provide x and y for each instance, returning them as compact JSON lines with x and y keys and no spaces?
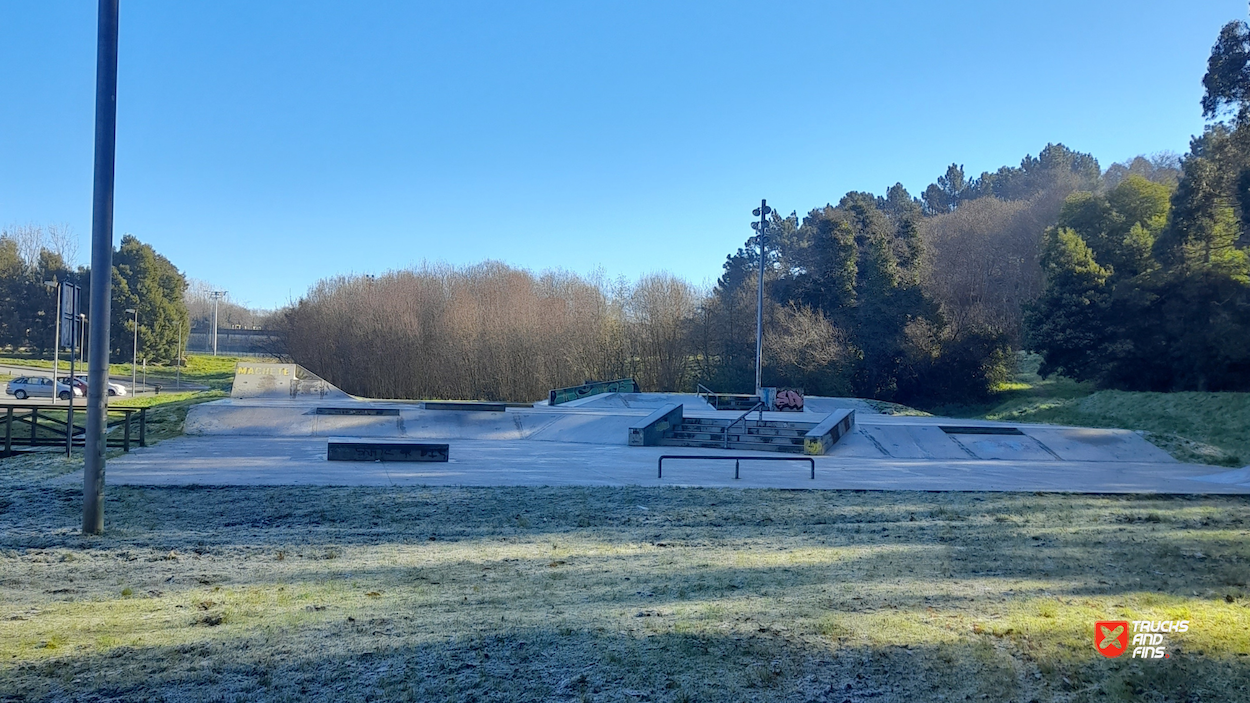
{"x":1072,"y":544}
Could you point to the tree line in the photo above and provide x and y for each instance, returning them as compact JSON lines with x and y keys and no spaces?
{"x":34,"y":259}
{"x":921,"y":300}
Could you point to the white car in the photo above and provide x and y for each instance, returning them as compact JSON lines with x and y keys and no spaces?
{"x":31,"y":386}
{"x":80,"y":383}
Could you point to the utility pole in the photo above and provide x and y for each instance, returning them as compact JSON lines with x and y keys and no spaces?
{"x":178,"y":363}
{"x":216,"y":296}
{"x":761,"y":212}
{"x":102,"y":264}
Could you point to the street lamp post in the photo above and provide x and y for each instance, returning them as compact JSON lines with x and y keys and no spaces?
{"x":56,"y":340}
{"x":216,"y":296}
{"x":134,"y":354}
{"x":761,"y":212}
{"x":178,"y":364}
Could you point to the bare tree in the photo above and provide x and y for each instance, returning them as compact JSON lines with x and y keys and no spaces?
{"x":983,"y":261}
{"x":488,"y":331}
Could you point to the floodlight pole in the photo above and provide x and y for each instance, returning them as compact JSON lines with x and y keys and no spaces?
{"x":761,"y":212}
{"x":216,"y":296}
{"x":101,"y":266}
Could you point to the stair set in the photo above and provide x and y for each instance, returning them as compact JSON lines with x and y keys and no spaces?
{"x":668,"y":427}
{"x":767,"y":436}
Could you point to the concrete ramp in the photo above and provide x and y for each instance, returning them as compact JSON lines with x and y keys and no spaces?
{"x":915,"y":442}
{"x":944,"y":439}
{"x":281,"y":382}
{"x":1086,"y":444}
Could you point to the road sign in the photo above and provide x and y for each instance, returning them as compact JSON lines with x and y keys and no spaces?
{"x":71,"y":303}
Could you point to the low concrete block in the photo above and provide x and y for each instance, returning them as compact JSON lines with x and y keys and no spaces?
{"x":648,"y":431}
{"x":385,"y":450}
{"x":820,"y":438}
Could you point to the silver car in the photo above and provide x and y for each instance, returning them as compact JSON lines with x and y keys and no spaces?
{"x":38,"y":386}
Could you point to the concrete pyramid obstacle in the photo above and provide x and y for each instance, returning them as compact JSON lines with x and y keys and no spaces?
{"x":281,"y":381}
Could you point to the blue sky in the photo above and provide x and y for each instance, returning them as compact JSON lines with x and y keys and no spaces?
{"x":265,"y":145}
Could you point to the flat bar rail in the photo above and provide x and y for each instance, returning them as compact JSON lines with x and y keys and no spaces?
{"x":736,"y":459}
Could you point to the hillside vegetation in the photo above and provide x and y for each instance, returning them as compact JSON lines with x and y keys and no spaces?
{"x":1208,"y":428}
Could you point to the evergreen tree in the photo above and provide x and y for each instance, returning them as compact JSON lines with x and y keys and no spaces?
{"x":146,"y":281}
{"x":1067,"y":325}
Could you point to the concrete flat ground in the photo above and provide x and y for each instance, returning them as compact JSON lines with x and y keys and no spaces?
{"x":257,"y":460}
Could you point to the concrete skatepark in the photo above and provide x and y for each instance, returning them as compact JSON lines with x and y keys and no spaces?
{"x":263,"y":437}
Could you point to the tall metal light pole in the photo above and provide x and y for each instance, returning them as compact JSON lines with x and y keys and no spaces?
{"x":56,"y":342}
{"x":134,"y":354}
{"x":762,"y":212}
{"x":216,"y":296}
{"x":101,"y":265}
{"x":76,"y":343}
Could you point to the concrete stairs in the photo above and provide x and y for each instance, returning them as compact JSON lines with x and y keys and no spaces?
{"x":709,"y":433}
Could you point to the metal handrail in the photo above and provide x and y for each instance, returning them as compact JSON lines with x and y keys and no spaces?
{"x":760,"y":406}
{"x":737,"y":460}
{"x":702,"y":391}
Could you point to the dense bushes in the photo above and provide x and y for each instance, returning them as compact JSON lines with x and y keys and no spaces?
{"x":490,"y":332}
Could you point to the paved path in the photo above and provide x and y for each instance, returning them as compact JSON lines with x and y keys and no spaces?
{"x":234,"y":460}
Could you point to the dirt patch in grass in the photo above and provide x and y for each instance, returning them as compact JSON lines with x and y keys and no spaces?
{"x":614,"y":594}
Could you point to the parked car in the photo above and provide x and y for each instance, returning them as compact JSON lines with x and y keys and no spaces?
{"x":80,"y":382}
{"x":36,"y":386}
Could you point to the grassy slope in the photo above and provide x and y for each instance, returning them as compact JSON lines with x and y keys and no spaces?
{"x":1208,"y":428}
{"x":614,"y":594}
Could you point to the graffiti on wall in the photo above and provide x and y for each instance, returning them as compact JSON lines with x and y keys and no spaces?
{"x":264,"y":380}
{"x":789,"y":400}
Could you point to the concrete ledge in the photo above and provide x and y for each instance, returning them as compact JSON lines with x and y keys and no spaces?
{"x":822,"y":437}
{"x":464,"y":405}
{"x":648,"y":431}
{"x":343,"y":449}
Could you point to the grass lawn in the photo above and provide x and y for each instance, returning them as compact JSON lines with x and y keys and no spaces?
{"x":167,"y":412}
{"x":1205,"y":428}
{"x":216,"y":372}
{"x":612,"y":594}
